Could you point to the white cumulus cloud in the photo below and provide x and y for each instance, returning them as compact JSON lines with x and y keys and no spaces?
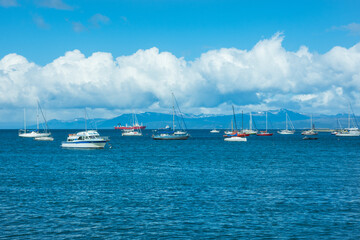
{"x":264,"y":77}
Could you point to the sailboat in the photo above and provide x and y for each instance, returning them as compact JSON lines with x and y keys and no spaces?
{"x":349,"y":131}
{"x":286,"y":131}
{"x":170,"y":134}
{"x":228,"y":132}
{"x":265,"y":133}
{"x":133,"y":131}
{"x":236,"y":137}
{"x":311,"y":131}
{"x":34,"y":133}
{"x":250,"y":130}
{"x":87,"y":139}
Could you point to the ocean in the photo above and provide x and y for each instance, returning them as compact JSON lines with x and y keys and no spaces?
{"x":202,"y":188}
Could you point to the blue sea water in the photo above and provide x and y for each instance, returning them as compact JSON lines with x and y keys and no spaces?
{"x":203,"y":188}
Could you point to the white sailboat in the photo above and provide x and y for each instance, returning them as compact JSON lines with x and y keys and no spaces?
{"x":286,"y":131}
{"x":349,"y":131}
{"x":171,"y":134}
{"x":235,"y":138}
{"x":250,"y":130}
{"x":34,"y":133}
{"x":311,"y":131}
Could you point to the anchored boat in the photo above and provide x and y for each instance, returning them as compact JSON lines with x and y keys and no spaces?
{"x":34,"y":133}
{"x":286,"y":131}
{"x":171,"y":134}
{"x":265,"y":133}
{"x":85,"y":139}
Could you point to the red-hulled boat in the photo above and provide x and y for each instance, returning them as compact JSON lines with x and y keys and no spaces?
{"x":236,"y":134}
{"x":135,"y":125}
{"x":264,"y":133}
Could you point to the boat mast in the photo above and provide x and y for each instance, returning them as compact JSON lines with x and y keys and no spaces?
{"x":234,"y":118}
{"x":37,"y":117}
{"x":286,"y":121}
{"x":349,"y":118}
{"x":173,"y":112}
{"x":85,"y":121}
{"x":250,"y":124}
{"x":24,"y":120}
{"x":266,"y":122}
{"x":242,"y":121}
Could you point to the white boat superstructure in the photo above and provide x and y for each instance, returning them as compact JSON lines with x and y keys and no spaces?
{"x":85,"y":139}
{"x":286,"y":131}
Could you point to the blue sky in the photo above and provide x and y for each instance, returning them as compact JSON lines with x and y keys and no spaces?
{"x":123,"y":56}
{"x":44,"y":30}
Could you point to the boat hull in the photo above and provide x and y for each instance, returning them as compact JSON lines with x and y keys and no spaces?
{"x":33,"y":135}
{"x":131,"y":134}
{"x":214,"y":131}
{"x":44,"y":139}
{"x":347,"y":134}
{"x":310,"y":138}
{"x":170,"y":137}
{"x":264,"y":134}
{"x":235,"y":139}
{"x":286,"y":132}
{"x":84,"y":144}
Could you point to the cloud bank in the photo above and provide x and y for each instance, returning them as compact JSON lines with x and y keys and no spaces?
{"x":264,"y":77}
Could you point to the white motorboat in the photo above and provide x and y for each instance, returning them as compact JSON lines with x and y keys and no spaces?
{"x":85,"y":139}
{"x":235,"y":139}
{"x":34,"y":133}
{"x":286,"y":131}
{"x":214,"y":131}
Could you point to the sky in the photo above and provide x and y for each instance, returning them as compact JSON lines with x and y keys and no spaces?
{"x":121,"y":56}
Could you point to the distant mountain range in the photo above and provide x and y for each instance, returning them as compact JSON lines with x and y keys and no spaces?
{"x":276,"y":120}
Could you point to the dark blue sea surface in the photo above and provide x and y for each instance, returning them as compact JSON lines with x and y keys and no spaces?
{"x":202,"y":188}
